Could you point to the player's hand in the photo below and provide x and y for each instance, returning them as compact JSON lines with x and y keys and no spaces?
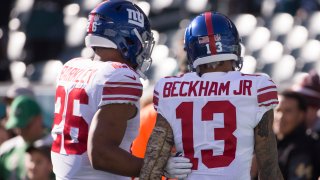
{"x":177,"y":167}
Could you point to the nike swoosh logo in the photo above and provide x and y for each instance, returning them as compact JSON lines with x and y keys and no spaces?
{"x":131,"y":77}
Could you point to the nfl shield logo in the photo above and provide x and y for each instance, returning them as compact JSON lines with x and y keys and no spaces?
{"x":217,"y":37}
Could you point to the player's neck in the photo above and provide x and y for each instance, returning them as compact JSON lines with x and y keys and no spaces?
{"x":108,"y":54}
{"x":226,"y":66}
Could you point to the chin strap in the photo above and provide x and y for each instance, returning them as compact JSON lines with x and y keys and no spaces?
{"x":238,"y":64}
{"x":141,"y":74}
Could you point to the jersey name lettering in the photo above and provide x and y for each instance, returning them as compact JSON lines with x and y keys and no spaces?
{"x":76,"y":75}
{"x":135,"y":17}
{"x":205,"y":88}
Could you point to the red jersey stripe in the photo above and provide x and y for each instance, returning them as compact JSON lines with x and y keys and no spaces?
{"x":267,"y":96}
{"x":119,"y":99}
{"x":210,"y":31}
{"x":155,"y":100}
{"x":118,"y":65}
{"x":275,"y":102}
{"x":265,"y":88}
{"x":122,"y":91}
{"x":124,"y":83}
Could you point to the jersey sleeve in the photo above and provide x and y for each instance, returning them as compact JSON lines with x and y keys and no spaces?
{"x":267,"y":96}
{"x":156,"y":98}
{"x":121,"y":85}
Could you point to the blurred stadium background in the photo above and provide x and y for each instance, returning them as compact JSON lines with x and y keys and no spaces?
{"x":280,"y":38}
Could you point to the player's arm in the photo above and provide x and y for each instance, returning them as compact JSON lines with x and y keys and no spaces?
{"x":158,"y":150}
{"x":105,"y":135}
{"x":266,"y":148}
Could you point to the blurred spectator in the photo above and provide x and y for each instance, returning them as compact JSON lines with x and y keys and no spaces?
{"x":178,"y":50}
{"x":14,"y":91}
{"x":5,"y":8}
{"x":45,"y":31}
{"x":38,"y":163}
{"x":309,"y":89}
{"x":297,"y":154}
{"x":25,"y":119}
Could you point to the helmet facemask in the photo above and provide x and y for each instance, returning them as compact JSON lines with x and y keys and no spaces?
{"x":239,"y":62}
{"x":144,"y":59}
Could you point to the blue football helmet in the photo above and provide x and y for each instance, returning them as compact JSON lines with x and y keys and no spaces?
{"x":122,"y":25}
{"x":212,"y":37}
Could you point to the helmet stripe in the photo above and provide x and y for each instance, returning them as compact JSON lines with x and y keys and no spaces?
{"x":91,"y":18}
{"x":210,"y":31}
{"x":93,"y":13}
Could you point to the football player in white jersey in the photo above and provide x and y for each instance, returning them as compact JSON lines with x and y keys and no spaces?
{"x":216,"y":116}
{"x":97,"y":100}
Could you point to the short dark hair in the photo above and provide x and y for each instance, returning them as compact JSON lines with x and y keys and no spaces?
{"x":302,"y":104}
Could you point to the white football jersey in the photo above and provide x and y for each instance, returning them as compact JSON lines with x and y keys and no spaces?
{"x":213,"y":119}
{"x":83,"y":86}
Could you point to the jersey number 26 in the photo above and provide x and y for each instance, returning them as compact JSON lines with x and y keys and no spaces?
{"x":72,"y":138}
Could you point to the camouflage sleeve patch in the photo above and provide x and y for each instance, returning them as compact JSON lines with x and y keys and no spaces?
{"x":158,"y":150}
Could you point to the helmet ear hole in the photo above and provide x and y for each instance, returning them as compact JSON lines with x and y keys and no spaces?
{"x":129,"y":41}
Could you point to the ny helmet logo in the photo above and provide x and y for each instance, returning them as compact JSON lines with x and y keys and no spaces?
{"x":135,"y":17}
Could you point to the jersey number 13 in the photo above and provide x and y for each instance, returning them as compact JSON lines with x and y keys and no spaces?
{"x":184,"y":112}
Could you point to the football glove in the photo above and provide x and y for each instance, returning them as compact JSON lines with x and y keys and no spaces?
{"x":177,"y":167}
